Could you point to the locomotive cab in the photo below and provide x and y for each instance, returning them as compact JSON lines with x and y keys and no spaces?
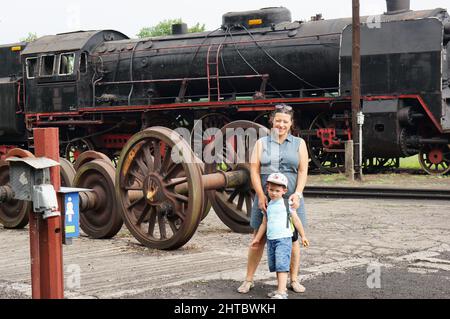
{"x":56,"y":69}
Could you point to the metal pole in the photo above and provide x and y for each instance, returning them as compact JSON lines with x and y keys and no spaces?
{"x":50,"y":276}
{"x":356,"y":89}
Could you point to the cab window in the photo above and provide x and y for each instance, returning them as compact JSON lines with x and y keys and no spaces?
{"x":66,"y":63}
{"x":47,"y":65}
{"x":32,"y":67}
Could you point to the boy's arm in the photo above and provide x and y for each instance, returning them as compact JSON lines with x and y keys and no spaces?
{"x":298,"y":224}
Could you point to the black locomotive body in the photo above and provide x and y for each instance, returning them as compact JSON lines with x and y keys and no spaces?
{"x":11,"y":120}
{"x":100,"y":87}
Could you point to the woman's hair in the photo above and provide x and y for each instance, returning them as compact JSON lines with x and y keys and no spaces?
{"x":284,"y":109}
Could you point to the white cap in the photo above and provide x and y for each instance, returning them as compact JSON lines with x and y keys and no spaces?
{"x":279,"y":179}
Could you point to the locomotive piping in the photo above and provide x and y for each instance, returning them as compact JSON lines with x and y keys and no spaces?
{"x":248,"y":63}
{"x":199,"y":47}
{"x":131,"y":72}
{"x":230,"y":83}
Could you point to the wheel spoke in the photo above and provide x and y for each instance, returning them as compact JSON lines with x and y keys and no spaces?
{"x":152,"y":221}
{"x":172,"y":225}
{"x":162,"y":226}
{"x":240,"y":202}
{"x":142,"y":167}
{"x":182,"y":214}
{"x":148,"y":158}
{"x":167,"y":160}
{"x":173,"y":171}
{"x":133,"y":188}
{"x":135,"y":203}
{"x":144,"y":214}
{"x":249,"y":204}
{"x":137,"y":175}
{"x":233,"y":196}
{"x":157,"y":155}
{"x":180,"y":197}
{"x":177,"y":181}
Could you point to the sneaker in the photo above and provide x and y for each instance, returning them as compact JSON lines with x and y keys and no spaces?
{"x":245,"y":287}
{"x":297,"y":287}
{"x":278,"y":295}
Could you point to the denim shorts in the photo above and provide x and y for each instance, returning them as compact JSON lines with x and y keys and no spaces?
{"x":257,"y":216}
{"x":279,"y":254}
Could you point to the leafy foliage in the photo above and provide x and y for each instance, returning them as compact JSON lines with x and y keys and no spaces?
{"x":30,"y":37}
{"x":165,"y":28}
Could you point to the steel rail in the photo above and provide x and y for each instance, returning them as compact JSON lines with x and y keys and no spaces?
{"x":376,"y":192}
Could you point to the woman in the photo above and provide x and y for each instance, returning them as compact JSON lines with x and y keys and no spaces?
{"x":284,"y":153}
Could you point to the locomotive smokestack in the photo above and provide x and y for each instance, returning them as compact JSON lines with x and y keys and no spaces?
{"x":397,"y":6}
{"x":179,"y":28}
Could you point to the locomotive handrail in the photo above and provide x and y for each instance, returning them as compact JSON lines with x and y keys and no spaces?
{"x":184,"y":79}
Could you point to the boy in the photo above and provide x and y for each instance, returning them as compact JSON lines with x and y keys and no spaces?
{"x":279,"y":232}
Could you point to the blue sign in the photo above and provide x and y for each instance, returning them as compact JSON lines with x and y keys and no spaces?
{"x":72,"y":212}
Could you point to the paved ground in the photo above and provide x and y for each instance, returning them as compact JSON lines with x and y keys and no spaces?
{"x":401,"y":249}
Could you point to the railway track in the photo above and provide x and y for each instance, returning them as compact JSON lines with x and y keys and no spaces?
{"x":376,"y":192}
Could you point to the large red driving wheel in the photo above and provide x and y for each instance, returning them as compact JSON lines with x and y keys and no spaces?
{"x":435,"y":160}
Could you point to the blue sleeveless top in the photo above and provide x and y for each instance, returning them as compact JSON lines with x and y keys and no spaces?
{"x":279,"y":158}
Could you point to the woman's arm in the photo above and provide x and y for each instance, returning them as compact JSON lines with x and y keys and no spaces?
{"x":261,"y":232}
{"x":302,"y":174}
{"x":255,"y":172}
{"x":302,"y":167}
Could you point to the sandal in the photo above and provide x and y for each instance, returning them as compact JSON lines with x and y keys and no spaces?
{"x":278,"y":295}
{"x":297,"y":287}
{"x":245,"y":287}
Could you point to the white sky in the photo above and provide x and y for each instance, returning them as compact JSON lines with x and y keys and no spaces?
{"x":44,"y":17}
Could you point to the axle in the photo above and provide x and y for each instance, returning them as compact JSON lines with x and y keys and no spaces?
{"x":219,"y":180}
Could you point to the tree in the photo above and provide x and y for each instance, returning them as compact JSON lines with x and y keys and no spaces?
{"x":165,"y":28}
{"x":197,"y":28}
{"x":30,"y":37}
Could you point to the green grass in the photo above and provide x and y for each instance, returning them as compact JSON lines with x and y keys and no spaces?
{"x":410,"y":162}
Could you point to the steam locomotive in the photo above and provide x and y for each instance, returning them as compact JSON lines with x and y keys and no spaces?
{"x":100,"y":87}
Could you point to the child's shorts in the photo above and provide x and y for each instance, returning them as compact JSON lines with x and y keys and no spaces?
{"x":279,"y":254}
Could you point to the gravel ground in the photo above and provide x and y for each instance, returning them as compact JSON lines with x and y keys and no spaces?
{"x":408,"y":240}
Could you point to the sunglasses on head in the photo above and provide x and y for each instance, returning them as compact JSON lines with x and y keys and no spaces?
{"x":283,"y":107}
